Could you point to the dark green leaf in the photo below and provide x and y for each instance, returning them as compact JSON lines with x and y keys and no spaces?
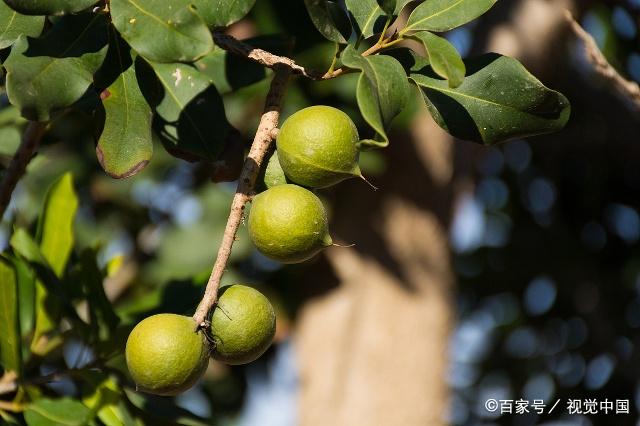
{"x":49,"y":7}
{"x":10,"y":346}
{"x":499,"y":100}
{"x":190,"y":117}
{"x":161,"y":31}
{"x":222,"y":13}
{"x":14,"y":24}
{"x":393,"y":7}
{"x":125,"y":145}
{"x":367,"y":17}
{"x":53,"y":72}
{"x":444,"y":15}
{"x":27,"y":300}
{"x":60,"y":412}
{"x":444,"y":58}
{"x":383,"y":91}
{"x":329,"y":19}
{"x":103,"y":318}
{"x":106,"y":400}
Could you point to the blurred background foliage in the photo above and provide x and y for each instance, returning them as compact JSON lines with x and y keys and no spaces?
{"x":546,"y":243}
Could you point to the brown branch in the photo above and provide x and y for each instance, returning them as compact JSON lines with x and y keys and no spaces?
{"x":624,"y":87}
{"x":30,"y":141}
{"x":261,"y":142}
{"x":267,"y":59}
{"x":270,"y":60}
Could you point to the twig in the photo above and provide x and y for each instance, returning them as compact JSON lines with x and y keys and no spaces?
{"x":271,"y":60}
{"x":30,"y":141}
{"x":626,"y":88}
{"x":246,"y":183}
{"x":267,"y":59}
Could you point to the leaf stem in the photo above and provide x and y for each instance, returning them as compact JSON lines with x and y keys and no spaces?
{"x":30,"y":141}
{"x":246,"y":184}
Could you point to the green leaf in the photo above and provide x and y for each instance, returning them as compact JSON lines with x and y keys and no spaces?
{"x":444,"y":58}
{"x":106,"y":400}
{"x":125,"y":145}
{"x":499,"y":100}
{"x":14,"y":24}
{"x":54,"y":71}
{"x":61,"y":412}
{"x":329,"y":19}
{"x":10,"y":340}
{"x":162,"y":31}
{"x":190,"y":119}
{"x":444,"y":15}
{"x":367,"y":16}
{"x":27,"y":301}
{"x":382,"y":92}
{"x":56,"y":226}
{"x":49,"y":7}
{"x":222,"y":13}
{"x":103,"y":318}
{"x":25,"y":246}
{"x":55,"y":233}
{"x":393,"y":7}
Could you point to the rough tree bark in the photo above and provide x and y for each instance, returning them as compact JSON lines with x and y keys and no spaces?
{"x":373,"y":349}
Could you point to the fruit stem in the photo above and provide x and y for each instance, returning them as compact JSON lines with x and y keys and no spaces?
{"x":30,"y":141}
{"x":246,"y":183}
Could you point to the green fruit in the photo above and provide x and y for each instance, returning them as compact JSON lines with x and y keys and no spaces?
{"x":272,"y":174}
{"x":288,"y":223}
{"x":318,"y":147}
{"x":164,"y":354}
{"x":242,"y":325}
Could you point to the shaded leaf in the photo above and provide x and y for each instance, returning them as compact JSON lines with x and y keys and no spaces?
{"x":367,"y":16}
{"x":444,"y":15}
{"x":329,"y":19}
{"x":26,"y":300}
{"x":106,"y":401}
{"x":382,"y":92}
{"x":54,"y":71}
{"x":62,"y":412}
{"x":49,"y":7}
{"x":103,"y":318}
{"x":162,"y":32}
{"x":499,"y":100}
{"x":444,"y":58}
{"x":14,"y":24}
{"x":10,"y":340}
{"x":125,"y":145}
{"x":222,"y":13}
{"x":393,"y":7}
{"x":190,"y":118}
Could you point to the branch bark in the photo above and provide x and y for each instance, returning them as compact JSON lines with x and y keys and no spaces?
{"x":30,"y":141}
{"x":628,"y":89}
{"x":246,"y":183}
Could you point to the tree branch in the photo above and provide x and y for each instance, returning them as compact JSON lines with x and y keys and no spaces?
{"x":30,"y":141}
{"x":267,"y":59}
{"x":626,"y":88}
{"x":259,"y":147}
{"x":270,"y":60}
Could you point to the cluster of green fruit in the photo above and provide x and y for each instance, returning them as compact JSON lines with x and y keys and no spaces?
{"x":165,"y":356}
{"x":316,"y":147}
